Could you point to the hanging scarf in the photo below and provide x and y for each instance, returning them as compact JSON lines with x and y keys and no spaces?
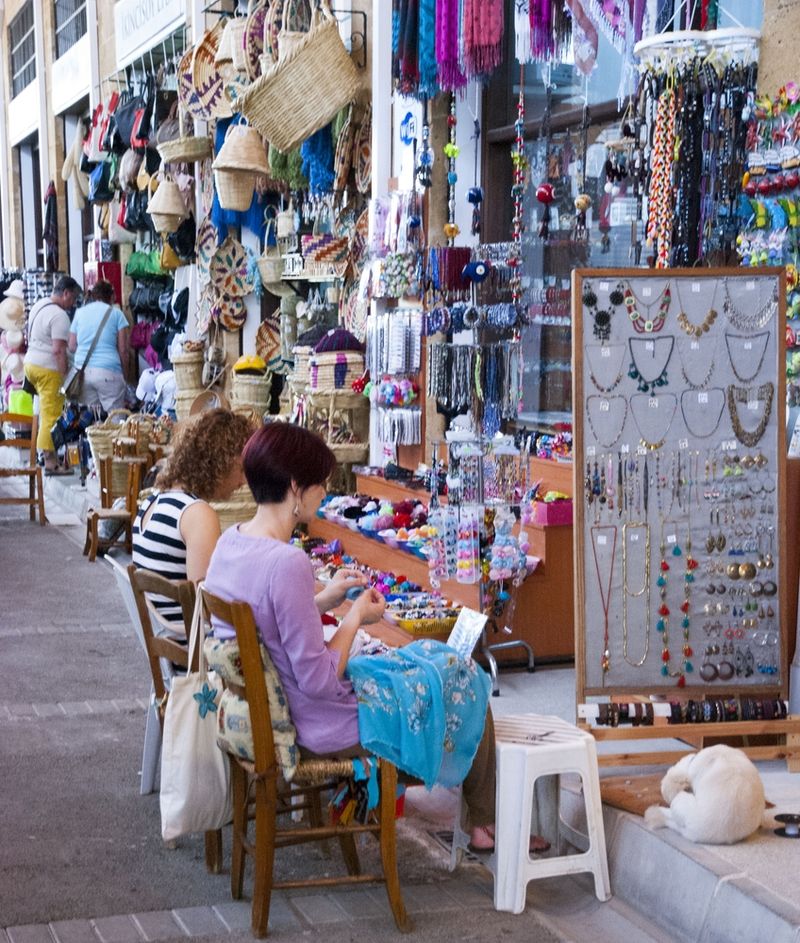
{"x":407,"y":67}
{"x":523,"y":14}
{"x":317,"y":154}
{"x":584,"y":37}
{"x":541,"y":19}
{"x":451,"y":75}
{"x":483,"y":37}
{"x":428,"y":86}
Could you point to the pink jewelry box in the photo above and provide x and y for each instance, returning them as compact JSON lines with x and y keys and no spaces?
{"x":553,"y":513}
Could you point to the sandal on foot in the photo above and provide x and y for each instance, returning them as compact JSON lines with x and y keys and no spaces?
{"x":536,"y":846}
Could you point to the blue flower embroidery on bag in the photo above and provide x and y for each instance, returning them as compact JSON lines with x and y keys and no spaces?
{"x":206,"y":700}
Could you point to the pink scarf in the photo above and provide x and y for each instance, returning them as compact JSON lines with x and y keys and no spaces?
{"x":483,"y":36}
{"x":447,"y":27}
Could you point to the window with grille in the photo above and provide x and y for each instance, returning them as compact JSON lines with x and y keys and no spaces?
{"x":23,"y":50}
{"x":70,"y":24}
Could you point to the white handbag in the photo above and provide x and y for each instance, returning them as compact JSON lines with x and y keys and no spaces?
{"x":195,"y":776}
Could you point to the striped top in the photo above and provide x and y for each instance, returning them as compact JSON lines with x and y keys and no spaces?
{"x":159,"y":546}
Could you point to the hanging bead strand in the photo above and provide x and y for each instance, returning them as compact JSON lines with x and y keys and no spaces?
{"x":451,"y":151}
{"x":520,"y":169}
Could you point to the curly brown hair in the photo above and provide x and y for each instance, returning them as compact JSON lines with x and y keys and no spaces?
{"x":204,"y":450}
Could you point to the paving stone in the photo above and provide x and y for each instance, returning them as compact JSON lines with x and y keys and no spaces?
{"x":363,"y":902}
{"x":30,"y":933}
{"x":48,"y":710}
{"x":73,"y":931}
{"x":427,"y":898}
{"x":281,"y":914}
{"x":102,"y":707}
{"x":742,"y":911}
{"x":319,"y":908}
{"x":469,"y":893}
{"x":198,"y":921}
{"x":21,"y":710}
{"x":75,"y":708}
{"x":235,"y":914}
{"x":158,"y":925}
{"x":117,"y":929}
{"x":127,"y":704}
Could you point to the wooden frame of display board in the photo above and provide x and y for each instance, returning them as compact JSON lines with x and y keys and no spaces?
{"x":650,"y":470}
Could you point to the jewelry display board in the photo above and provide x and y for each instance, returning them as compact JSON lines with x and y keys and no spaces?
{"x":679,"y":438}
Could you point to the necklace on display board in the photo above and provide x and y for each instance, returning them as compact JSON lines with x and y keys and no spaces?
{"x":604,"y":410}
{"x":696,"y":330}
{"x":650,"y":375}
{"x":601,"y":316}
{"x":756,"y":316}
{"x":709,"y":405}
{"x":694,"y":345}
{"x":601,"y":534}
{"x":752,"y":396}
{"x":749,"y":343}
{"x":630,"y":534}
{"x":649,"y":324}
{"x":644,"y":408}
{"x":605,"y":361}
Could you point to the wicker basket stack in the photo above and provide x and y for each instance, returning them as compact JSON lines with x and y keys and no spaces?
{"x":334,"y":371}
{"x":250,"y":391}
{"x":238,"y":508}
{"x":101,"y":435}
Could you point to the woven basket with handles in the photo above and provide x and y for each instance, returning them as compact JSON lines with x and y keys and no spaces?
{"x":101,"y":434}
{"x":285,"y":104}
{"x":186,"y":148}
{"x":188,"y":370}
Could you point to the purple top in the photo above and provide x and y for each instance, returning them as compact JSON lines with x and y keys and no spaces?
{"x":277,"y":580}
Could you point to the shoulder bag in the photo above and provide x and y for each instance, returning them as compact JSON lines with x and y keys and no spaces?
{"x":72,"y":387}
{"x":195,"y":776}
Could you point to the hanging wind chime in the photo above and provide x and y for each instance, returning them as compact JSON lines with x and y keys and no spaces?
{"x":451,"y":152}
{"x":520,"y":169}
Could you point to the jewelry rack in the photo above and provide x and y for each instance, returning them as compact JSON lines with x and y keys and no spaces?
{"x":680,"y":506}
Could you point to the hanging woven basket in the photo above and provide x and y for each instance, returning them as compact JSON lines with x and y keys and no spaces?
{"x":166,"y":206}
{"x":241,"y":160}
{"x":185,"y":149}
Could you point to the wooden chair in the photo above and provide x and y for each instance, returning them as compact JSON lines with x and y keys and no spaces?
{"x":258,"y":792}
{"x":32,"y":470}
{"x":121,"y":518}
{"x":166,"y":651}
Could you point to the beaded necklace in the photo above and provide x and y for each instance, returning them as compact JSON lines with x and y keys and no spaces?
{"x":601,"y":316}
{"x":703,"y":400}
{"x":707,"y":379}
{"x":754,"y":318}
{"x":659,"y":377}
{"x":660,"y":220}
{"x":605,"y":407}
{"x":663,"y":623}
{"x":607,"y":353}
{"x":647,"y":325}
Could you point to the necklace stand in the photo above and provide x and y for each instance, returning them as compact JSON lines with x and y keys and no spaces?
{"x":681,"y":560}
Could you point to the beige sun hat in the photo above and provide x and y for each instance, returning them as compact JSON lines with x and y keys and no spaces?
{"x":12,"y":314}
{"x":16,"y":289}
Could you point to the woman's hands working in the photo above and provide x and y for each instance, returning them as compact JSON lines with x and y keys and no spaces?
{"x":335,"y":592}
{"x":366,"y":610}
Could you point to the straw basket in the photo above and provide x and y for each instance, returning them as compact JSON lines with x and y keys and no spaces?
{"x":207,"y":76}
{"x":270,"y":262}
{"x":238,"y":508}
{"x":288,"y":104}
{"x":166,"y":206}
{"x":101,"y":435}
{"x":302,"y":356}
{"x":188,"y":369}
{"x":132,"y":438}
{"x":184,"y":400}
{"x":231,"y":44}
{"x":335,"y":370}
{"x":350,"y":452}
{"x":185,"y":149}
{"x":251,"y":391}
{"x":241,"y":159}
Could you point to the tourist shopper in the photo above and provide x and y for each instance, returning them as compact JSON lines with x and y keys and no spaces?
{"x":176,"y":530}
{"x":46,"y":361}
{"x":106,"y":371}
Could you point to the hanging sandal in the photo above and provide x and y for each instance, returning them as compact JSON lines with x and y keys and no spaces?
{"x":536,"y":846}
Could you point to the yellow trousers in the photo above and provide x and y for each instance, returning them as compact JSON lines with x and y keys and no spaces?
{"x":51,"y":401}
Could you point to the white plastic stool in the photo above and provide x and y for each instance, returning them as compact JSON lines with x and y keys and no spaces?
{"x":530,"y":746}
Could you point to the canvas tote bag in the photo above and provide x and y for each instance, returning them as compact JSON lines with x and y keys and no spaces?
{"x":195,"y":776}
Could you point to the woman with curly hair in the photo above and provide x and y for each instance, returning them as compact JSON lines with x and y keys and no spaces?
{"x":175,"y":532}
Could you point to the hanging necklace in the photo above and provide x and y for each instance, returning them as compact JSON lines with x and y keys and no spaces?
{"x":753,"y":318}
{"x":608,"y":354}
{"x":694,"y":345}
{"x":654,"y":403}
{"x":632,"y":528}
{"x":605,"y":407}
{"x":743,"y":394}
{"x":663,"y":624}
{"x":601,"y":316}
{"x":708,"y":402}
{"x":656,"y":378}
{"x":696,"y":330}
{"x":647,"y":325}
{"x":747,"y":342}
{"x":600,"y":534}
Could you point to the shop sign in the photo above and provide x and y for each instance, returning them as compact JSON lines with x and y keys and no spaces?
{"x":140,"y":24}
